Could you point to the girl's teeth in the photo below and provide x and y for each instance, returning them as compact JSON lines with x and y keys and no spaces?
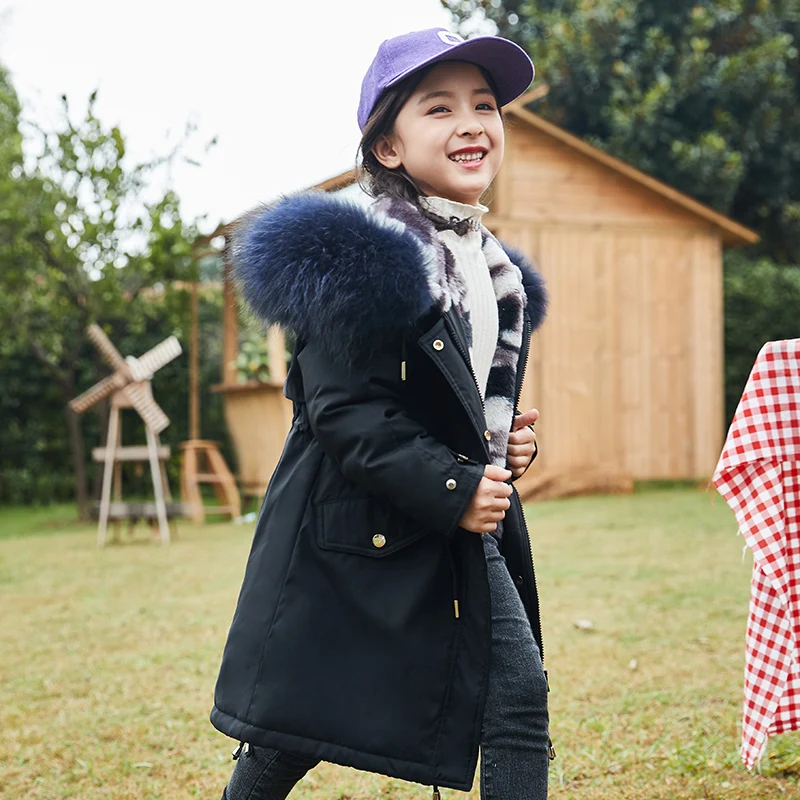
{"x":467,"y":157}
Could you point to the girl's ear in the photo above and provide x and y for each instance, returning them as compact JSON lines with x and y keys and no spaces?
{"x":385,"y":151}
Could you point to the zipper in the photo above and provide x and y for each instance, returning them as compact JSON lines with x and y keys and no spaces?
{"x":521,"y":377}
{"x":533,"y":573}
{"x":521,"y":510}
{"x":460,"y":347}
{"x":465,"y":355}
{"x":551,"y":750}
{"x":521,"y":380}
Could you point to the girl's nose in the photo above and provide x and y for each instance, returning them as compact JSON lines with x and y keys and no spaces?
{"x":471,"y":127}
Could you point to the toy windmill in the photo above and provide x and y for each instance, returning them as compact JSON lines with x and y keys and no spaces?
{"x":129,"y":387}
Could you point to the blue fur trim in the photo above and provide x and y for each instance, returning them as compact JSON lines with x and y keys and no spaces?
{"x":327,"y":269}
{"x":533,"y":283}
{"x":350,"y":278}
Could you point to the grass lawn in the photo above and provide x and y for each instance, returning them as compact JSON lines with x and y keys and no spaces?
{"x":108,"y":658}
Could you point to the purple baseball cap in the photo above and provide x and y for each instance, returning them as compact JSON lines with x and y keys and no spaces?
{"x":508,"y":64}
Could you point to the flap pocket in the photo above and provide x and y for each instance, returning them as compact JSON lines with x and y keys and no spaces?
{"x":365,"y":526}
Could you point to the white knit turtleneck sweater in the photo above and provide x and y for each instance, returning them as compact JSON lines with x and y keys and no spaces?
{"x":480,"y":301}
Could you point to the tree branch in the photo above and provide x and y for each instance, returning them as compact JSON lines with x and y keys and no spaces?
{"x":61,"y":377}
{"x":42,"y":246}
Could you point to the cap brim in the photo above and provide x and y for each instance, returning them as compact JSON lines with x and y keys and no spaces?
{"x":509,"y":65}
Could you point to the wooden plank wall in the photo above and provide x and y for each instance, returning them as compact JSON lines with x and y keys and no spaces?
{"x":627,"y":370}
{"x":708,"y":352}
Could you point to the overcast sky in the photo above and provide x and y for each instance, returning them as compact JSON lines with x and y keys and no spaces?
{"x":277,"y":81}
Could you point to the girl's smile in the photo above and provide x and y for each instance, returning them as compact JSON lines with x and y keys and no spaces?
{"x":448,"y":137}
{"x":469,"y":157}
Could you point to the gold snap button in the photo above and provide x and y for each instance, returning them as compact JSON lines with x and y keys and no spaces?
{"x":379,"y":540}
{"x":438,"y":344}
{"x":487,"y":435}
{"x":450,"y":484}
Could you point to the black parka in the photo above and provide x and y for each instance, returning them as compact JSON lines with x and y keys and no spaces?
{"x":362,"y":631}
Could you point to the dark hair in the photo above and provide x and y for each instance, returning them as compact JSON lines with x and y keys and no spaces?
{"x":373,"y":177}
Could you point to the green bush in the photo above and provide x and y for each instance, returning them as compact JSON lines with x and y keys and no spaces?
{"x":762,"y":304}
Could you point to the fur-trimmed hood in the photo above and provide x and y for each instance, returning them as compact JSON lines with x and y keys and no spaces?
{"x":352,"y":277}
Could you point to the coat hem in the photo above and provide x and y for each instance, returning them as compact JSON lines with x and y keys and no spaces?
{"x":334,"y":753}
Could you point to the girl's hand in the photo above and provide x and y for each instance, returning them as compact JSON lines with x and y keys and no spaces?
{"x":522,"y":442}
{"x":490,"y":501}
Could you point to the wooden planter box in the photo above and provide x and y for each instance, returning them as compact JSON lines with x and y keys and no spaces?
{"x":259,"y":417}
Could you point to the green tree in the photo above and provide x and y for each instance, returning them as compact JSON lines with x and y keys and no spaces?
{"x":702,"y":94}
{"x":78,"y":245}
{"x":35,"y":461}
{"x":762,"y":301}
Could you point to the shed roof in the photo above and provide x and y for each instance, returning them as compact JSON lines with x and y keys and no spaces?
{"x":733,"y":234}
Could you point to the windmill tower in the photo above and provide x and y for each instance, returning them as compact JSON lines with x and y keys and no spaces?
{"x":129,"y":387}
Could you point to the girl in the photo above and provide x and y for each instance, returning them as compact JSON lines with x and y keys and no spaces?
{"x":388,"y":618}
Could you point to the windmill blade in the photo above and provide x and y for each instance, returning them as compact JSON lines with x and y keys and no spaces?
{"x":100,"y":390}
{"x":103,"y":344}
{"x":145,"y":366}
{"x":141,"y":398}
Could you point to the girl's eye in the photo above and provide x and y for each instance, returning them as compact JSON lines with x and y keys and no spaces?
{"x":438,"y":110}
{"x":485,"y":107}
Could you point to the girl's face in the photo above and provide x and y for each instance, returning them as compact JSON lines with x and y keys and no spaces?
{"x":449,"y":134}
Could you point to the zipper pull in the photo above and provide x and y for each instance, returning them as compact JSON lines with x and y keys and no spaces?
{"x":455,"y":607}
{"x":551,"y":751}
{"x":437,"y":795}
{"x":403,"y":359}
{"x":244,"y":747}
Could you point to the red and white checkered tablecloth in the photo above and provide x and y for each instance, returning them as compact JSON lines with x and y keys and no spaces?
{"x":758,"y":474}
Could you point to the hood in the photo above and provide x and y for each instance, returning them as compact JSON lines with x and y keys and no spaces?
{"x":350,"y":277}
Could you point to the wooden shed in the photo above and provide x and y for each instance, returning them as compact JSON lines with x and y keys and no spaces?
{"x":627,"y":371}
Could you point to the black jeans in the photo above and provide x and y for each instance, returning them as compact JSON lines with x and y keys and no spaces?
{"x":514,"y":739}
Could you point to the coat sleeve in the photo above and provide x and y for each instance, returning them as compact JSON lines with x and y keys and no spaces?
{"x":358,"y":417}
